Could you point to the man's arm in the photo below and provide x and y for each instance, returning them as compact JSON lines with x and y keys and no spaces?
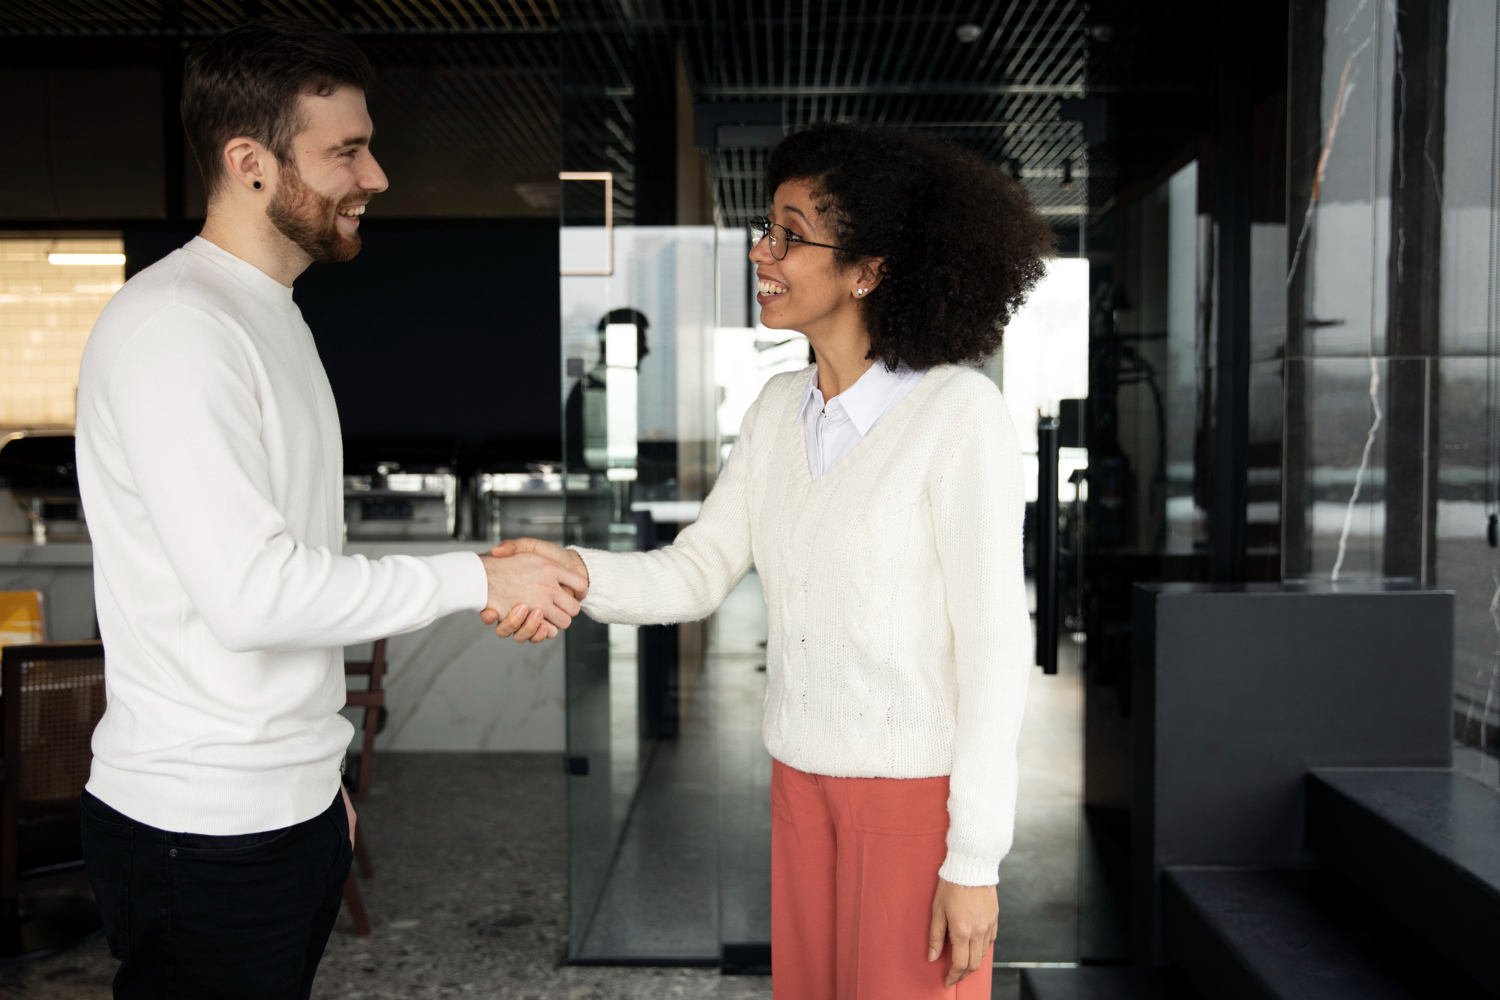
{"x":183,"y":397}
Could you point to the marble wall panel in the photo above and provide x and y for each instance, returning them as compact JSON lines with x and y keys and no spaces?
{"x":455,"y":686}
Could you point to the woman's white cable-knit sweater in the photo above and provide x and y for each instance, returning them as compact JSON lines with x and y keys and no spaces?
{"x":900,"y":642}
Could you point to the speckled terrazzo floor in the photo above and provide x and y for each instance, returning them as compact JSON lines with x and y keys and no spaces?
{"x":468,"y":900}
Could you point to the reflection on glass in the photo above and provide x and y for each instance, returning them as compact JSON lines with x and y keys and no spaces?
{"x":1393,"y":365}
{"x":620,"y":359}
{"x":1164,"y":320}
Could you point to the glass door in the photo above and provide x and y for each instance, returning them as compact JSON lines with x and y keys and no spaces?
{"x":639,"y":433}
{"x":1043,"y":369}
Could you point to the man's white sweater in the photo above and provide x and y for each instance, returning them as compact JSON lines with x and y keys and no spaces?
{"x":211,"y":468}
{"x":900,"y":639}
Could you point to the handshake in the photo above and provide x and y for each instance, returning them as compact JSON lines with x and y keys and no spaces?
{"x":542,"y":584}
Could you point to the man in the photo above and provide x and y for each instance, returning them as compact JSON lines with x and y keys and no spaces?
{"x":216,"y":831}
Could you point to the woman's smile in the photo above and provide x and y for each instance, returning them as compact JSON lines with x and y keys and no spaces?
{"x":768,"y":289}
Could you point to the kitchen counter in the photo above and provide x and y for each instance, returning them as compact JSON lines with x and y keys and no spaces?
{"x":17,"y":550}
{"x":450,"y":686}
{"x":64,"y":573}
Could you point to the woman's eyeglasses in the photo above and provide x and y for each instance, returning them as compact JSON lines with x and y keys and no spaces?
{"x":781,"y":237}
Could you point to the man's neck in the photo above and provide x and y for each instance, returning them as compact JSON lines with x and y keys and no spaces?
{"x":251,"y":237}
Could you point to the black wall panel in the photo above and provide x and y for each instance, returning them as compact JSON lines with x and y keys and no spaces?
{"x":81,"y":142}
{"x":446,"y":329}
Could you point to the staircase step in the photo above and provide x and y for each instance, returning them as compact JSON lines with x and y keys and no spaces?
{"x":1240,"y":934}
{"x":1425,"y":845}
{"x":1103,"y":983}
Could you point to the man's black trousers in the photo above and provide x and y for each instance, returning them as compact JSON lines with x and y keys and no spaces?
{"x":193,"y":917}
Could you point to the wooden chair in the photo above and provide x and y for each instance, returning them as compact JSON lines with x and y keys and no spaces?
{"x":361,"y":771}
{"x":372,"y":700}
{"x":53,"y":697}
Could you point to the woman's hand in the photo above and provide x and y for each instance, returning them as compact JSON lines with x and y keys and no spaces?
{"x":967,"y":915}
{"x":551,"y":550}
{"x":522,"y":623}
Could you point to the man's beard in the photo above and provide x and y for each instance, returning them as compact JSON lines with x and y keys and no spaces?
{"x":310,"y":220}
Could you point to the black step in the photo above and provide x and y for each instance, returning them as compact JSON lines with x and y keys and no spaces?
{"x":1425,"y":845}
{"x":1103,"y":983}
{"x":1240,"y":934}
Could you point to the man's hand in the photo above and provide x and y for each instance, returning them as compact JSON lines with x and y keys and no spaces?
{"x":348,"y":811}
{"x":523,"y":623}
{"x":540,"y":594}
{"x":968,"y":916}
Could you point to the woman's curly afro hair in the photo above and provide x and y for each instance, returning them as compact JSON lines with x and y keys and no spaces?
{"x":963,"y":245}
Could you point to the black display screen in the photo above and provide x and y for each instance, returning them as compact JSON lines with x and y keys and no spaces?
{"x":385,"y":509}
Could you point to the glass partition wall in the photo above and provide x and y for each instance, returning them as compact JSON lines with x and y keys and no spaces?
{"x":641,"y":444}
{"x":1392,"y":386}
{"x":668,"y":783}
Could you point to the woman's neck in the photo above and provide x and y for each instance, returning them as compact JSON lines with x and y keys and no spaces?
{"x":841,"y":358}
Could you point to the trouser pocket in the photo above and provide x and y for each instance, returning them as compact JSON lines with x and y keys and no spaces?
{"x":108,"y":851}
{"x":246,"y":910}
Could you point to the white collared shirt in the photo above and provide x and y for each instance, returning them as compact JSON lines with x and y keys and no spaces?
{"x":835,"y":427}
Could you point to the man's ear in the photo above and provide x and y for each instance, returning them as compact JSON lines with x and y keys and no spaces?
{"x":249,"y":164}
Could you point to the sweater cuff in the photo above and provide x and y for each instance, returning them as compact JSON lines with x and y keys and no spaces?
{"x":966,"y":869}
{"x":463,"y":584}
{"x":595,"y":602}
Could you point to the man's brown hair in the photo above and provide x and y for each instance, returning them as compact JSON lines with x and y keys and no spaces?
{"x":247,"y":82}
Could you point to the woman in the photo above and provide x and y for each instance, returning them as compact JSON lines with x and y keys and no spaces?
{"x":879,"y":494}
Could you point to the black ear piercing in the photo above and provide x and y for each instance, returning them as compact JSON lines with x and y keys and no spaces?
{"x":257,"y":185}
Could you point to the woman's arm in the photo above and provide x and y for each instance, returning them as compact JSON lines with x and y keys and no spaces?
{"x":689,"y":579}
{"x":978,"y":505}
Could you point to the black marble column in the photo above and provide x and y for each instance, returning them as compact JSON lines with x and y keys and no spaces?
{"x":1232,"y":360}
{"x":1412,"y":443}
{"x":1304,"y":146}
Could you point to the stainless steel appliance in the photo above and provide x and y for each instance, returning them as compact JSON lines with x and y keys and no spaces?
{"x":41,"y":473}
{"x":391,"y":503}
{"x":529,"y":503}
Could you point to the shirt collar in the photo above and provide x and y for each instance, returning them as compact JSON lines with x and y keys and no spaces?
{"x":867,"y":400}
{"x":252,"y":277}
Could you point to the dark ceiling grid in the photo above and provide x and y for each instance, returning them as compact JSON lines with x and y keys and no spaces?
{"x":895,"y":61}
{"x":145,"y":18}
{"x":597,"y":123}
{"x":520,"y":98}
{"x":485,"y":100}
{"x":471,"y":83}
{"x":898,"y":61}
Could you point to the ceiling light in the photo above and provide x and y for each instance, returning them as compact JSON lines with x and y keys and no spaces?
{"x":968,"y":33}
{"x":86,"y":259}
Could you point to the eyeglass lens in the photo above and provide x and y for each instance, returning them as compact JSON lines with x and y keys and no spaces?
{"x":760,"y":228}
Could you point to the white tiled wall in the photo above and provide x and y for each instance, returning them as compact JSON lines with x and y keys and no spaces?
{"x":46,"y":312}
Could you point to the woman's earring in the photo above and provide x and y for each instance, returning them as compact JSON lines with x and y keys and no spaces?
{"x":257,"y":185}
{"x":861,"y":291}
